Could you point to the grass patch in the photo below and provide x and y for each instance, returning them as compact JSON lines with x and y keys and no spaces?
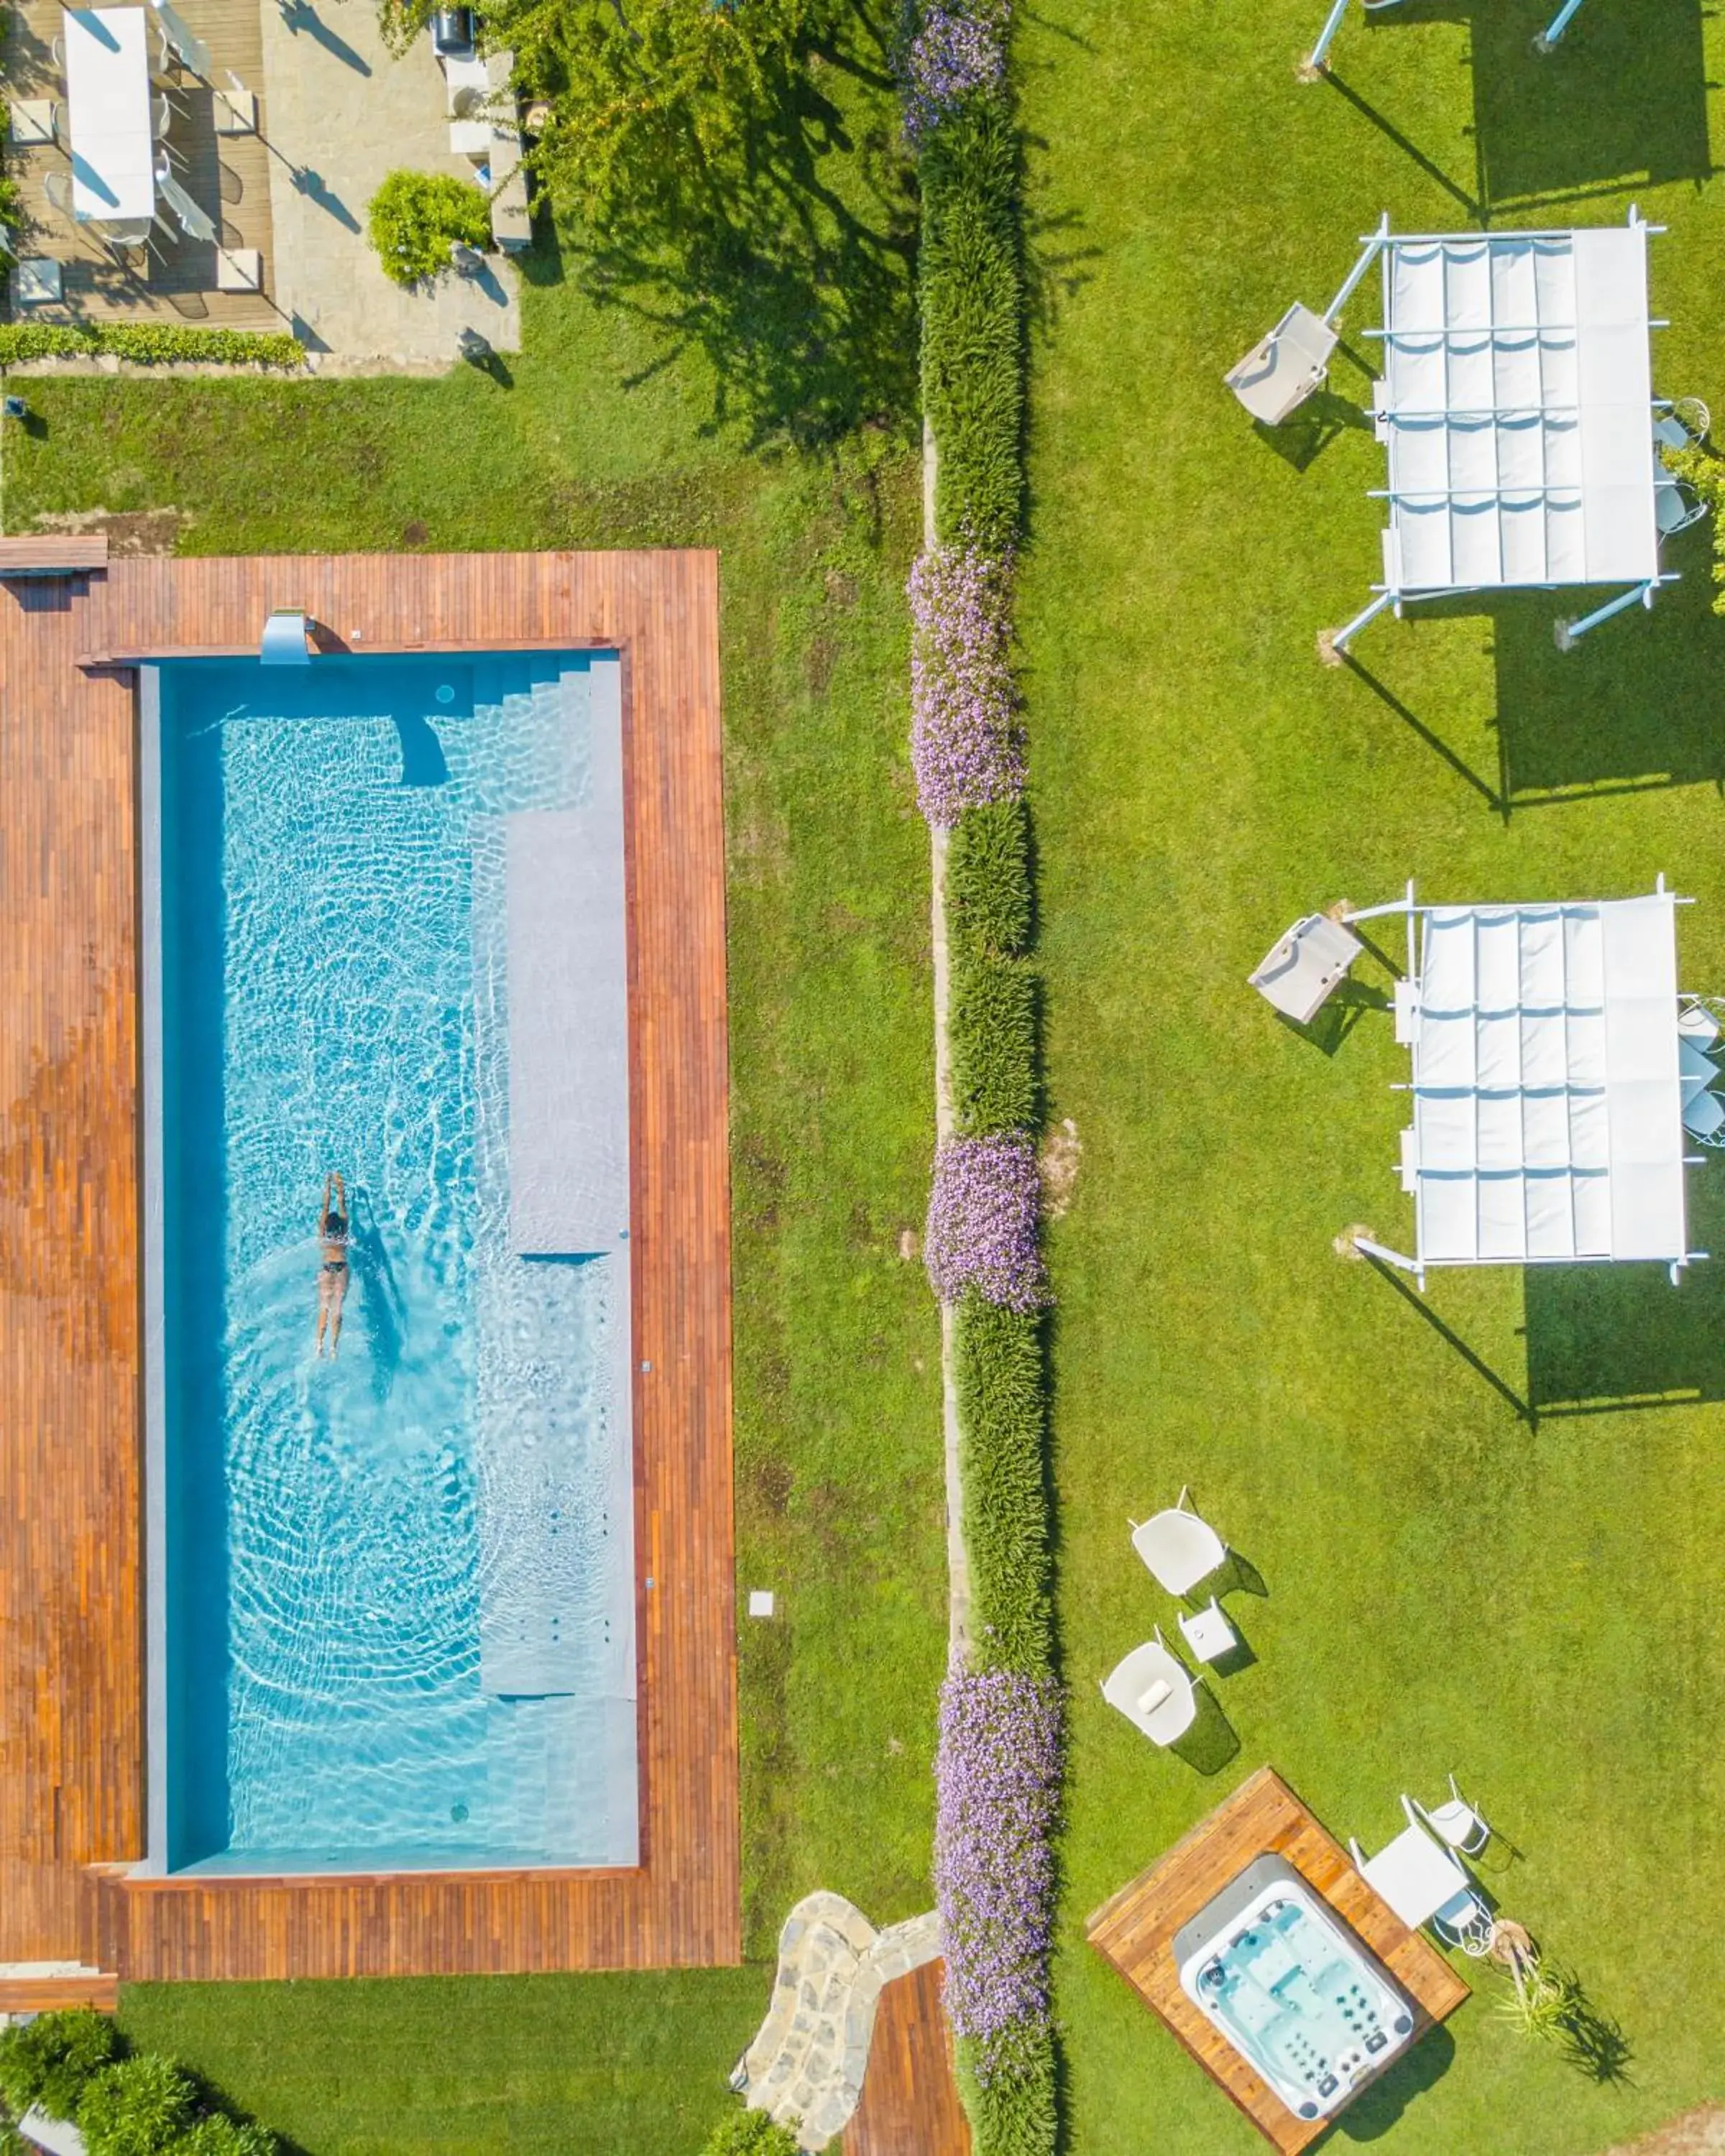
{"x":1450,"y":1584}
{"x":408,"y":2066}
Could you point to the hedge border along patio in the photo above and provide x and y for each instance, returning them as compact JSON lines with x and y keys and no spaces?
{"x":999,"y":1763}
{"x":148,"y":344}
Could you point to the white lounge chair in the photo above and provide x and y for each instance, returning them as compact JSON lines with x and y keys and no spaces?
{"x":1697,"y":1023}
{"x":1283,"y":369}
{"x":1453,"y":1821}
{"x":1703,"y":1117}
{"x":1179,"y":1549}
{"x":1153,"y":1690}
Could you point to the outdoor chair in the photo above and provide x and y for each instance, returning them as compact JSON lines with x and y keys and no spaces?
{"x":1465,"y":1922}
{"x":1150,"y":1687}
{"x":1704,"y":1118}
{"x":1686,"y":425}
{"x":57,"y":53}
{"x":58,"y":187}
{"x":1306,"y":967}
{"x":1675,"y":504}
{"x":1280,"y":372}
{"x":1697,"y":1023}
{"x":1179,"y":1549}
{"x":1455,"y":1821}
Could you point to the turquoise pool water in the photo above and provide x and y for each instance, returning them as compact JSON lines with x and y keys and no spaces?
{"x":339,"y":1544}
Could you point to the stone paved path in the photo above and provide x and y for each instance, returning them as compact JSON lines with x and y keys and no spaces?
{"x":806,"y":2065}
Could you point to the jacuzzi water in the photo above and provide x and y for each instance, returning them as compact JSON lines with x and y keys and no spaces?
{"x":1292,"y":1989}
{"x":332,"y":997}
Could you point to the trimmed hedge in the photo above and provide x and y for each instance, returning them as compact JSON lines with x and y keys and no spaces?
{"x":998,"y":1365}
{"x":1016,"y":2111}
{"x":148,"y":344}
{"x":993,"y":1027}
{"x":971,"y":277}
{"x":990,"y":901}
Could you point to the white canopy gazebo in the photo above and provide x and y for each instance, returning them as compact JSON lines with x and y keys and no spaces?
{"x":1547,"y":1092}
{"x":1548,"y":38}
{"x":1518,"y":412}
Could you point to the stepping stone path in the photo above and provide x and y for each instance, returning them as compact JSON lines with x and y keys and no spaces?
{"x":806,"y":2065}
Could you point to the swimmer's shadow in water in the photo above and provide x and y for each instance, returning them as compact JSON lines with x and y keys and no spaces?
{"x":385,"y":1306}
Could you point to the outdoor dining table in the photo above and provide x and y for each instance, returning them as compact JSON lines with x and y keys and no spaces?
{"x":108,"y":109}
{"x":1415,"y":1875}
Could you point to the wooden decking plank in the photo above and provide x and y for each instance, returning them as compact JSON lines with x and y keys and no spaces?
{"x":71,"y":1676}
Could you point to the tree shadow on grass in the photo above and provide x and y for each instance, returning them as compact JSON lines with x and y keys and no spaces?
{"x":1602,"y":1338}
{"x":792,"y":271}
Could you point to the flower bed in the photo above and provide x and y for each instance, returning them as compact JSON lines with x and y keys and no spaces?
{"x":954,"y":51}
{"x":965,"y":742}
{"x":982,"y":1222}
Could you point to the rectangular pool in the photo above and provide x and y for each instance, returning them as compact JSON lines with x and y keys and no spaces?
{"x":391,"y":1591}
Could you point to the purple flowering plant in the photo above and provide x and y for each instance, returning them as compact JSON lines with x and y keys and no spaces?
{"x":982,"y":1227}
{"x":997,"y":1774}
{"x":952,"y":50}
{"x":966,"y":741}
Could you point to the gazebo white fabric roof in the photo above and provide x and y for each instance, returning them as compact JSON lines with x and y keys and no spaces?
{"x":1548,"y":1103}
{"x":1516,"y":408}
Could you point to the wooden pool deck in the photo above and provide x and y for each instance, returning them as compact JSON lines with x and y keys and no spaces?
{"x":72,"y":1728}
{"x":910,"y":2103}
{"x":1136,"y":1929}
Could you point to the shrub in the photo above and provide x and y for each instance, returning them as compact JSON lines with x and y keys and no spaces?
{"x":997,"y":1777}
{"x":1014,"y":2112}
{"x":998,"y":1370}
{"x":973,"y":302}
{"x":751,"y":2134}
{"x":990,"y":901}
{"x":49,"y":2061}
{"x":149,"y":344}
{"x":981,"y":1230}
{"x":966,"y":743}
{"x":217,"y":2136}
{"x":140,"y":2107}
{"x":414,"y":217}
{"x":956,"y":50}
{"x":992,"y":1025}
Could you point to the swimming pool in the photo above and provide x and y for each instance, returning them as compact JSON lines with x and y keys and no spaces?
{"x":391,"y":1589}
{"x":1292,"y":1989}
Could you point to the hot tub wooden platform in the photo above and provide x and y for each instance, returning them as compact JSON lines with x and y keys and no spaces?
{"x":1136,"y":1929}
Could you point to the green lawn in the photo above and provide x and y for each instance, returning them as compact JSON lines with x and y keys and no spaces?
{"x":1450,"y":1584}
{"x":454,"y":2064}
{"x":605,"y":433}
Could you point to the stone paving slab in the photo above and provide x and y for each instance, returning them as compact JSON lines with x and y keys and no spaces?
{"x":806,"y":2065}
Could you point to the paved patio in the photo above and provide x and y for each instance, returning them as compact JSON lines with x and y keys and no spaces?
{"x":337,"y":111}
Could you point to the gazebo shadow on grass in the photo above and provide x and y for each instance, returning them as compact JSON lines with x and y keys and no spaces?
{"x":1620,"y":100}
{"x":1603,"y":1338}
{"x":1634,"y":707}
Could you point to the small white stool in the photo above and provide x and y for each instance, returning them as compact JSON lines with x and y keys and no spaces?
{"x":37,"y":281}
{"x":32,"y":120}
{"x":240,"y":269}
{"x":1208,"y":1633}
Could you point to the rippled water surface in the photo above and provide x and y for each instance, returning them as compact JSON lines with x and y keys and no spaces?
{"x":335,"y":999}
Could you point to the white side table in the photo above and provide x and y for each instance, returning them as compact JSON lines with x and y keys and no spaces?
{"x":32,"y":120}
{"x":240,"y":269}
{"x":1208,"y":1633}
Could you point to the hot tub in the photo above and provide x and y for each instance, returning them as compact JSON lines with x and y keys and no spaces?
{"x":1292,"y":1988}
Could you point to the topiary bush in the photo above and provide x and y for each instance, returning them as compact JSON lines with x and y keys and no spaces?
{"x":998,"y":1359}
{"x":990,"y":903}
{"x":49,"y":2061}
{"x":141,"y":2106}
{"x":415,"y":216}
{"x":217,"y":2136}
{"x":750,"y":2133}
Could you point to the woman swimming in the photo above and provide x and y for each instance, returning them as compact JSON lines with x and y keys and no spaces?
{"x":332,"y":1267}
